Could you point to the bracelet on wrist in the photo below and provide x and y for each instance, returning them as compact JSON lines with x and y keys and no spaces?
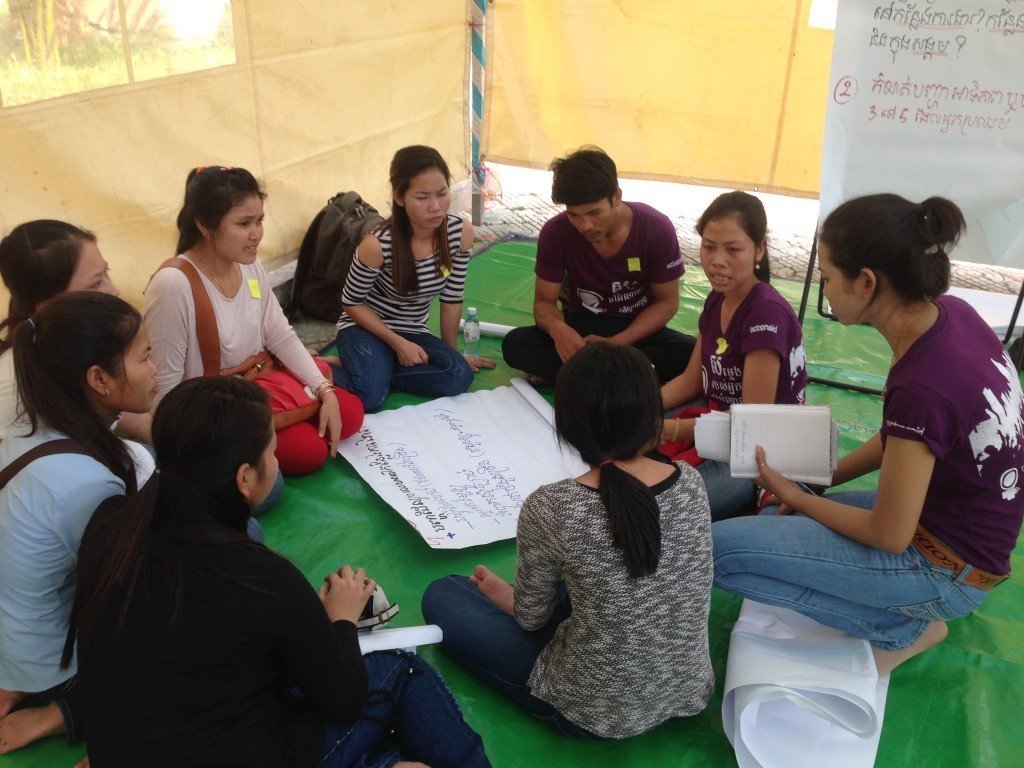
{"x":322,"y":389}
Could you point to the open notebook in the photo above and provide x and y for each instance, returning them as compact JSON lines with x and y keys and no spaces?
{"x":800,"y":441}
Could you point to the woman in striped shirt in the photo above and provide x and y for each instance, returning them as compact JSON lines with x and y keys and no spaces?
{"x":422,"y":251}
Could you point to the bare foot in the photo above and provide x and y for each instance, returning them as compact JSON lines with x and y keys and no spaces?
{"x":27,"y":725}
{"x":495,"y":588}
{"x":9,"y":700}
{"x":887,"y":661}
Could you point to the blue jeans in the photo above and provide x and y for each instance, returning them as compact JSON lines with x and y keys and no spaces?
{"x":493,"y":646}
{"x":369,"y":368}
{"x":273,"y":498}
{"x":795,"y":562}
{"x":728,"y":496}
{"x":406,"y":695}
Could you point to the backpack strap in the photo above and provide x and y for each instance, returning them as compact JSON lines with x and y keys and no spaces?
{"x":206,"y":320}
{"x":48,"y":448}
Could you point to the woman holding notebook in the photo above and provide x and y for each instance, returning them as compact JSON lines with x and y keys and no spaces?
{"x":750,"y":348}
{"x":893,"y":565}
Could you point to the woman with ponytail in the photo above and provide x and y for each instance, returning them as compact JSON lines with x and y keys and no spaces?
{"x":892,"y":566}
{"x":422,"y":251}
{"x":40,"y":259}
{"x":605,"y":633}
{"x":80,"y":360}
{"x":198,"y":646}
{"x":750,"y":347}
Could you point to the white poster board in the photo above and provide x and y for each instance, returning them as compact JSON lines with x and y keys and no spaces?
{"x":927,"y":98}
{"x":459,"y":468}
{"x":799,"y":694}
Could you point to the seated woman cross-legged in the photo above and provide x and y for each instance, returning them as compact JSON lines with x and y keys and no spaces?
{"x":893,"y":566}
{"x":605,"y":633}
{"x":220,"y":227}
{"x":422,"y":251}
{"x":750,"y":347}
{"x":80,"y":360}
{"x":198,"y":646}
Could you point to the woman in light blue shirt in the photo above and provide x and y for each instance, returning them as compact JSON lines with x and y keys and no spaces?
{"x":79,"y":361}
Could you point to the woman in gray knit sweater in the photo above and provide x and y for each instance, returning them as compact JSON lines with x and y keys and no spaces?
{"x":605,"y":633}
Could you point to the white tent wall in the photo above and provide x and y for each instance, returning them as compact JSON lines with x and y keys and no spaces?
{"x":321,"y":96}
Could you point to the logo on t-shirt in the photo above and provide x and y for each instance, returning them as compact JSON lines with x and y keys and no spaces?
{"x":797,"y":364}
{"x":591,"y":301}
{"x":764,"y":327}
{"x":896,"y":425}
{"x":1003,"y":429}
{"x":722,"y":346}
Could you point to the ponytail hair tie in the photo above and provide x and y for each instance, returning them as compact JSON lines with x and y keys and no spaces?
{"x":606,"y":462}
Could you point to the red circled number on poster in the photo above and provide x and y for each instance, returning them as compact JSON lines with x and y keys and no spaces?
{"x":846,"y":89}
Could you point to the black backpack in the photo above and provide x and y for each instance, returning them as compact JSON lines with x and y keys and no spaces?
{"x":326,"y":255}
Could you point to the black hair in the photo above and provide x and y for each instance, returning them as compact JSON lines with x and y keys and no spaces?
{"x":53,"y":353}
{"x":608,"y":407}
{"x":203,"y":431}
{"x":587,"y":175}
{"x":210,"y":192}
{"x":37,"y":261}
{"x":408,"y":163}
{"x":905,"y":243}
{"x":750,"y":215}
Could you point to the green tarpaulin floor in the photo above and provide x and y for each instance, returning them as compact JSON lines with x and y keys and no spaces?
{"x":957,"y":705}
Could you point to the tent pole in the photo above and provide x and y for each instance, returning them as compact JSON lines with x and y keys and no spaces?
{"x":478,"y":69}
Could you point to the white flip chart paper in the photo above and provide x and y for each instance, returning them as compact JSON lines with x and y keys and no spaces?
{"x":799,"y":694}
{"x":459,"y":468}
{"x":402,"y":638}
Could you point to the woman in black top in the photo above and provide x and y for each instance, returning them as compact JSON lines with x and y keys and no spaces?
{"x":198,"y":646}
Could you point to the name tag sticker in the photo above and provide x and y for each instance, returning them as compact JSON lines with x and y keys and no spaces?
{"x":254,"y":288}
{"x":633,"y":263}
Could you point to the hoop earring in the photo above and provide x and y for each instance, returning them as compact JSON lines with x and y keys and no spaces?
{"x":106,"y":392}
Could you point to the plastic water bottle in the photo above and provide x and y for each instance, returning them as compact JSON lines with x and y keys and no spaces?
{"x":471,"y":334}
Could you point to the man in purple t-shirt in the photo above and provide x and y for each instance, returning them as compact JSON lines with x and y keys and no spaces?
{"x":615,"y":266}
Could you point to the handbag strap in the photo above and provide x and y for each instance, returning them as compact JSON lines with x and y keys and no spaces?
{"x":64,"y":445}
{"x":206,"y":321}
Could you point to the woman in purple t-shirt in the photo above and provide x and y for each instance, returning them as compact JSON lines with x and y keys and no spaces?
{"x":893,"y":565}
{"x":750,"y":348}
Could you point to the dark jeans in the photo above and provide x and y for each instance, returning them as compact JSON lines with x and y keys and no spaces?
{"x":406,"y":695}
{"x":493,"y":646}
{"x":369,"y":368}
{"x":68,"y":698}
{"x":530,"y":349}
